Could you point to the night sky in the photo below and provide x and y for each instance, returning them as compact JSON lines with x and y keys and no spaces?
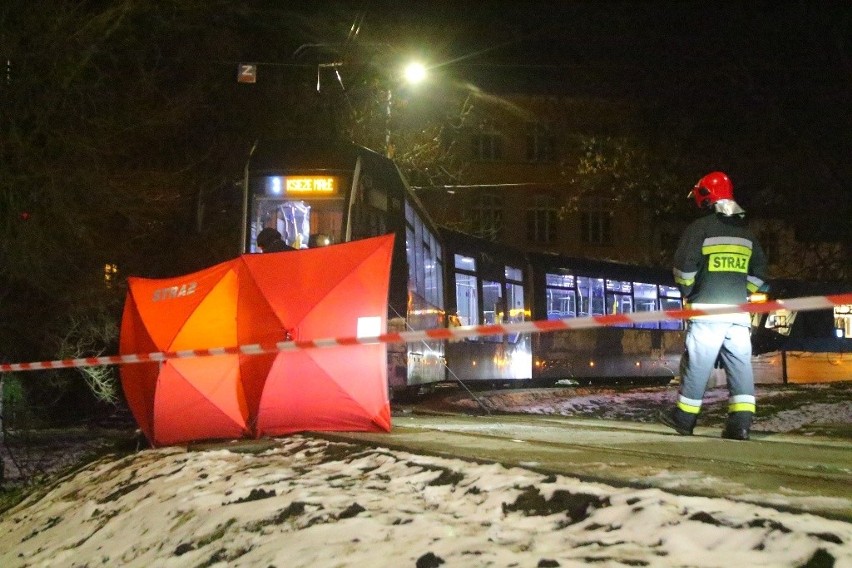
{"x":761,"y":89}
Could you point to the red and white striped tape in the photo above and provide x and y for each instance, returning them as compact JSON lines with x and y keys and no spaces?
{"x":542,"y":326}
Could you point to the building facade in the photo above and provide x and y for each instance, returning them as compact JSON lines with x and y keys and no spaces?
{"x":528,"y":180}
{"x":552,"y":174}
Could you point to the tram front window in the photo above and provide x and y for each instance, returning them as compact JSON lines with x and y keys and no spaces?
{"x":297,"y":221}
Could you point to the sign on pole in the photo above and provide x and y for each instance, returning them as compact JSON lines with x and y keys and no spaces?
{"x":247,"y":73}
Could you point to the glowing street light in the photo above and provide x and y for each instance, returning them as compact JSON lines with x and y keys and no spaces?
{"x":414,"y":73}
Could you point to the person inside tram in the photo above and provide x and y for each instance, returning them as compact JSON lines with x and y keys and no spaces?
{"x":269,"y":240}
{"x":718,"y":262}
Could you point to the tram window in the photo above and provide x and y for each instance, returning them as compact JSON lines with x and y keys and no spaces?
{"x":437,"y":271}
{"x":669,"y":291}
{"x":516,"y":312}
{"x":591,"y":296}
{"x":671,"y":304}
{"x":409,"y":254}
{"x":291,"y":218}
{"x":618,"y":298}
{"x":561,"y":303}
{"x":670,"y":299}
{"x":465,"y":262}
{"x":560,"y":295}
{"x":495,"y":309}
{"x":843,"y":321}
{"x":515,"y":302}
{"x":646,"y":300}
{"x":619,"y":304}
{"x":425,"y":269}
{"x":492,"y":302}
{"x":514,"y":274}
{"x":559,"y":280}
{"x":781,"y":321}
{"x":378,"y":199}
{"x":619,"y":286}
{"x":409,"y":213}
{"x":325,"y":221}
{"x":514,"y":307}
{"x":467,"y":299}
{"x":418,"y":256}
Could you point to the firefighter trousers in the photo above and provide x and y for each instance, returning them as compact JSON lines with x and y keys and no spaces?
{"x":707,"y":341}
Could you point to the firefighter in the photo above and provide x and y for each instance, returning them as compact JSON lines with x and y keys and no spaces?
{"x":718,"y":262}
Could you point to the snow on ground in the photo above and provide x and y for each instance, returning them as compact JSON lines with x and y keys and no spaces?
{"x":306,"y":501}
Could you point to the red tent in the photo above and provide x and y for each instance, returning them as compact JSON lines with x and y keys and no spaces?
{"x":336,"y":291}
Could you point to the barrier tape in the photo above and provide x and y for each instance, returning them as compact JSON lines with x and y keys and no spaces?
{"x":542,"y":326}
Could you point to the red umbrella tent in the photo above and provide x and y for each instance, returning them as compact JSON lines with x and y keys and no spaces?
{"x":336,"y":291}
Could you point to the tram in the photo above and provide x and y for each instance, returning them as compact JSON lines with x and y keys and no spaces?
{"x":496,"y":284}
{"x":319,"y":192}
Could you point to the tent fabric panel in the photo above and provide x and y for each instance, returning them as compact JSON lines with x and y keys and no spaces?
{"x":257,"y":321}
{"x":359,"y":371}
{"x":311,"y":274}
{"x":337,"y":314}
{"x":213,"y":322}
{"x":133,"y":334}
{"x":219,"y":380}
{"x":300,"y":396}
{"x":139,"y":383}
{"x":183,"y":413}
{"x":382,"y":420}
{"x":254,"y":370}
{"x":164,"y":304}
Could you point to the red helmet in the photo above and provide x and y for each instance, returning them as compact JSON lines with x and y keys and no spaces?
{"x":711,"y":188}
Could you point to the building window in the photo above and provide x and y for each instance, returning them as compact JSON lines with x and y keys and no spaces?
{"x":487,"y":216}
{"x":541,"y":220}
{"x":488,"y":144}
{"x":110,"y":274}
{"x":596,"y":223}
{"x":539,"y":143}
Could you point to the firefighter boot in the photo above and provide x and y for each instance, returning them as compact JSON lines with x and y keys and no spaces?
{"x":682,"y":422}
{"x":738,"y":426}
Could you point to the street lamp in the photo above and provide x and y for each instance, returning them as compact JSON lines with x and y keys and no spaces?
{"x":412,"y":74}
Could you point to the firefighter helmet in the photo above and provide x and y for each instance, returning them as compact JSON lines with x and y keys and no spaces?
{"x":711,"y":188}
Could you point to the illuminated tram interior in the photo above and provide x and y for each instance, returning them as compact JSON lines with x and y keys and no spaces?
{"x":281,"y":202}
